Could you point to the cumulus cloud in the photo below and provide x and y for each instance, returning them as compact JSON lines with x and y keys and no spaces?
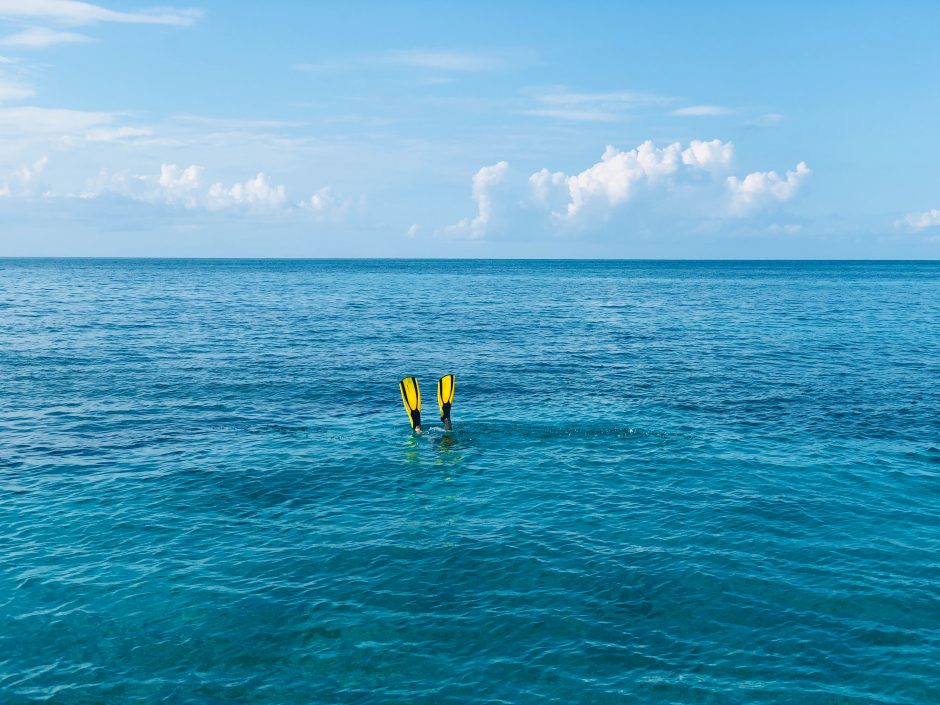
{"x":28,"y":173}
{"x":40,"y":38}
{"x":920,"y":221}
{"x":256,"y":193}
{"x":485,"y":182}
{"x":77,"y":13}
{"x":173,"y":186}
{"x":710,"y":155}
{"x":176,"y":186}
{"x":549,"y":189}
{"x":616,"y":178}
{"x":22,"y":182}
{"x":183,"y":187}
{"x":690,"y":179}
{"x":328,"y":206}
{"x":760,"y":188}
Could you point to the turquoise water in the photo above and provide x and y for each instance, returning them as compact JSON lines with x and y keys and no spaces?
{"x":668,"y":482}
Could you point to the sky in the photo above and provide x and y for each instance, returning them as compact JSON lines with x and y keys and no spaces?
{"x":476,"y":129}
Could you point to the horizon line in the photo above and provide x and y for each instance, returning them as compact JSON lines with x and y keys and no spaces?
{"x":460,"y":259}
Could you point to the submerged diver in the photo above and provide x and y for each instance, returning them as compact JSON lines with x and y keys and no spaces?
{"x":411,"y":396}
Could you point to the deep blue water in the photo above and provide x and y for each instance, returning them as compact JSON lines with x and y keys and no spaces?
{"x":669,"y":482}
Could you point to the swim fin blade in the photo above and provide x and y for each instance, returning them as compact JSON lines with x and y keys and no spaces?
{"x":445,"y":396}
{"x":411,"y":396}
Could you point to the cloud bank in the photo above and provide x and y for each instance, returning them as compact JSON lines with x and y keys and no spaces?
{"x":692,"y":179}
{"x":186,"y":188}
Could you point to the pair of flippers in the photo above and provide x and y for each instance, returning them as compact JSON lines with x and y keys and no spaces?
{"x":411,"y":396}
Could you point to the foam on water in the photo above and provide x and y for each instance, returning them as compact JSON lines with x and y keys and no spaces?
{"x":669,"y":482}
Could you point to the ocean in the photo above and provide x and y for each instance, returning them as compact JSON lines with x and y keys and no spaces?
{"x":668,"y":482}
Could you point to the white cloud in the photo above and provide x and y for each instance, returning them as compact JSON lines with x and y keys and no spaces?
{"x":75,"y":12}
{"x":606,"y":106}
{"x":485,"y":182}
{"x":329,"y":206}
{"x":703,"y":111}
{"x":613,"y":179}
{"x":616,"y":177}
{"x":14,"y":91}
{"x":550,"y":189}
{"x":116,"y":134}
{"x":173,"y":186}
{"x":30,"y":120}
{"x":28,"y":173}
{"x":670,"y":182}
{"x":711,"y":155}
{"x":413,"y":230}
{"x":183,"y":187}
{"x":7,"y":60}
{"x":121,"y":184}
{"x":920,"y":221}
{"x":766,"y":120}
{"x":256,"y":193}
{"x":760,"y":188}
{"x":443,"y":60}
{"x":570,"y":115}
{"x":322,"y":199}
{"x":235,"y":123}
{"x":41,"y":37}
{"x":22,"y":182}
{"x":60,"y":126}
{"x":179,"y":186}
{"x":560,"y":95}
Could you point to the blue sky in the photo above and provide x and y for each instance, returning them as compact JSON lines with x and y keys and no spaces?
{"x":485,"y":129}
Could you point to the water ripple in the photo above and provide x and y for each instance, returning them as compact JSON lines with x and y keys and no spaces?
{"x":669,"y":483}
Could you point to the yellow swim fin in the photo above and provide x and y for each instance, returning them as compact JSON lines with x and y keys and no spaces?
{"x":411,"y":396}
{"x":445,"y":397}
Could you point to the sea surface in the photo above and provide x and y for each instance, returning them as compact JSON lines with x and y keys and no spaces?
{"x":668,"y":482}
